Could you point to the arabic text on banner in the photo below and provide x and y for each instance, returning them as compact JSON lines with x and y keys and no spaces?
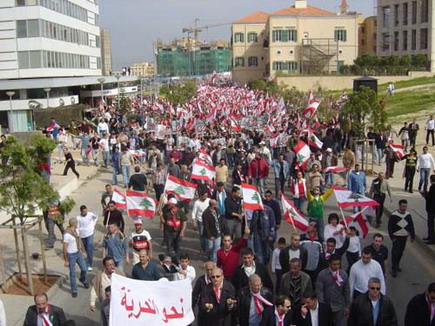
{"x":136,"y":302}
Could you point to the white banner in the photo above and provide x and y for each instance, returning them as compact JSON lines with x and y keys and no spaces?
{"x":153,"y":303}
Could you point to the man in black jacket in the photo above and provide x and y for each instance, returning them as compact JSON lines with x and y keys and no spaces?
{"x":419,"y":309}
{"x":212,"y":229}
{"x":430,"y":210}
{"x":400,"y":225}
{"x":331,"y":249}
{"x":312,"y":312}
{"x":43,"y":313}
{"x":70,"y":163}
{"x":255,"y":294}
{"x":372,"y":308}
{"x":293,"y":251}
{"x":137,"y":181}
{"x":202,"y":282}
{"x":249,"y":267}
{"x":282,"y":315}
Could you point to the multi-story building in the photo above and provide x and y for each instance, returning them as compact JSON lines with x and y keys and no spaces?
{"x":368,"y":36}
{"x":106,"y":52}
{"x":143,"y":69}
{"x":406,"y":27}
{"x":187,"y":57}
{"x":297,"y":39}
{"x":49,"y":49}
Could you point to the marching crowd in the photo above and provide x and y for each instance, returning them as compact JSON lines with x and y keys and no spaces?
{"x":251,"y":276}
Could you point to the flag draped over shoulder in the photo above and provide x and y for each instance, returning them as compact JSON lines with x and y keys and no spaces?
{"x":251,"y":198}
{"x":140,"y":204}
{"x":182,"y":189}
{"x":292,"y":215}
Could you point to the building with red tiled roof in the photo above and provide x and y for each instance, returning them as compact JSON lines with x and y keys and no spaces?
{"x":300,"y":39}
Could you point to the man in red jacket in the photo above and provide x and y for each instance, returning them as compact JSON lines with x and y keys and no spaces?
{"x":228,"y":256}
{"x":258,"y":171}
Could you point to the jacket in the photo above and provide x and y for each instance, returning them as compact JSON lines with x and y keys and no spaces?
{"x":258,"y":169}
{"x":395,"y":226}
{"x":96,"y":283}
{"x":324,"y":316}
{"x":430,"y":199}
{"x":199,"y":287}
{"x":268,"y":318}
{"x":284,"y":287}
{"x":417,"y":312}
{"x":339,"y":251}
{"x":334,"y":161}
{"x":240,"y":279}
{"x":361,"y":312}
{"x":209,"y":224}
{"x":262,"y":225}
{"x":284,"y":258}
{"x":328,"y":291}
{"x":55,"y":315}
{"x":220,"y":315}
{"x":244,"y":303}
{"x":277,"y":169}
{"x":357,"y":182}
{"x":315,"y":207}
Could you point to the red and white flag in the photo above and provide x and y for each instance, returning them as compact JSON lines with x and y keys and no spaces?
{"x":140,"y":204}
{"x":292,"y":215}
{"x":360,"y":221}
{"x":203,"y":171}
{"x":399,"y":150}
{"x":274,"y":141}
{"x":251,"y":198}
{"x":335,"y":169}
{"x":303,"y":153}
{"x":346,"y":198}
{"x":183,"y":189}
{"x":119,"y":199}
{"x":203,"y":155}
{"x":313,"y":140}
{"x":311,"y":109}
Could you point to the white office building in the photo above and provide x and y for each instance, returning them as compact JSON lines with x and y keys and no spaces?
{"x":49,"y":45}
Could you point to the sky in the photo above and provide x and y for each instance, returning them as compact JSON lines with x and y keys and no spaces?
{"x":135,"y":24}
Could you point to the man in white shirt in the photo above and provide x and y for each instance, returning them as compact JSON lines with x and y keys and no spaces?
{"x":430,"y":130}
{"x":105,"y":149}
{"x":200,"y":205}
{"x":362,"y":271}
{"x":185,"y":270}
{"x":86,"y":226}
{"x":425,"y":162}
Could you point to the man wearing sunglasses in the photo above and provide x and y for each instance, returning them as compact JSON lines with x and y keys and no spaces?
{"x":372,"y":308}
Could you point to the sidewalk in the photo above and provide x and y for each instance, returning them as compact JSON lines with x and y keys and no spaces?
{"x":16,"y":305}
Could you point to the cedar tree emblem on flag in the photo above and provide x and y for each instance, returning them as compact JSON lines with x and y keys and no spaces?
{"x":179,"y":190}
{"x":146,"y":203}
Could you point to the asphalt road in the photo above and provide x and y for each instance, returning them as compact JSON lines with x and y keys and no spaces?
{"x":417,"y":264}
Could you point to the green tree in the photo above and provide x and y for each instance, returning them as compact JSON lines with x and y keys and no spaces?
{"x":362,"y":111}
{"x":123,"y":101}
{"x":22,"y":188}
{"x":179,"y":94}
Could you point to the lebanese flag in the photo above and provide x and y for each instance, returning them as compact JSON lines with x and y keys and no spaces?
{"x":292,"y":215}
{"x":234,"y":126}
{"x":183,"y":189}
{"x":203,"y":171}
{"x":311,"y":109}
{"x":274,"y":141}
{"x":203,"y":155}
{"x":313,"y":140}
{"x":335,"y":169}
{"x":140,"y":204}
{"x":399,"y":150}
{"x":346,"y":198}
{"x":119,"y":199}
{"x":251,"y":198}
{"x":360,"y":221}
{"x":303,"y":153}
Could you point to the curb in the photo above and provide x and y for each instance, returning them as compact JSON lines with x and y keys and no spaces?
{"x":418,"y":240}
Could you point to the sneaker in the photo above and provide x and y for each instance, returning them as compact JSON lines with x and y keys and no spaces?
{"x":90,"y":269}
{"x":74,"y":294}
{"x":86,"y":285}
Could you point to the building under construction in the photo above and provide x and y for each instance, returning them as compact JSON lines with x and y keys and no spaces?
{"x":188,"y":57}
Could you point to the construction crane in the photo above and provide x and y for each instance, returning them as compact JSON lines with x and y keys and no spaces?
{"x":196,"y":30}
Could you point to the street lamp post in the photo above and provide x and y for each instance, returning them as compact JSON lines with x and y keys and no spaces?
{"x":101,"y":81}
{"x":47,"y":90}
{"x":10,"y":122}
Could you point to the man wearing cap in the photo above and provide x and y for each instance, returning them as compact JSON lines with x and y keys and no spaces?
{"x":140,"y":239}
{"x":264,"y":151}
{"x":328,"y":160}
{"x":174,"y":225}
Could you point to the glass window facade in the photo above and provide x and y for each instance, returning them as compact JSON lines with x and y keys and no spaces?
{"x":51,"y":59}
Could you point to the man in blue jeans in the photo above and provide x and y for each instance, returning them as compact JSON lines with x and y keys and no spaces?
{"x":425,"y":162}
{"x":115,"y":245}
{"x":86,"y":226}
{"x":72,"y":254}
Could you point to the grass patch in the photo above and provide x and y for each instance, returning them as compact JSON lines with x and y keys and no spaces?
{"x":411,"y":82}
{"x":409,"y":102}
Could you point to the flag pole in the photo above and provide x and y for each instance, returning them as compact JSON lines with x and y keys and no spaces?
{"x":293,"y":222}
{"x":342,"y":214}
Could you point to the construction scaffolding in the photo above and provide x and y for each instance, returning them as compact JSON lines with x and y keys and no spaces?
{"x":320,"y":55}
